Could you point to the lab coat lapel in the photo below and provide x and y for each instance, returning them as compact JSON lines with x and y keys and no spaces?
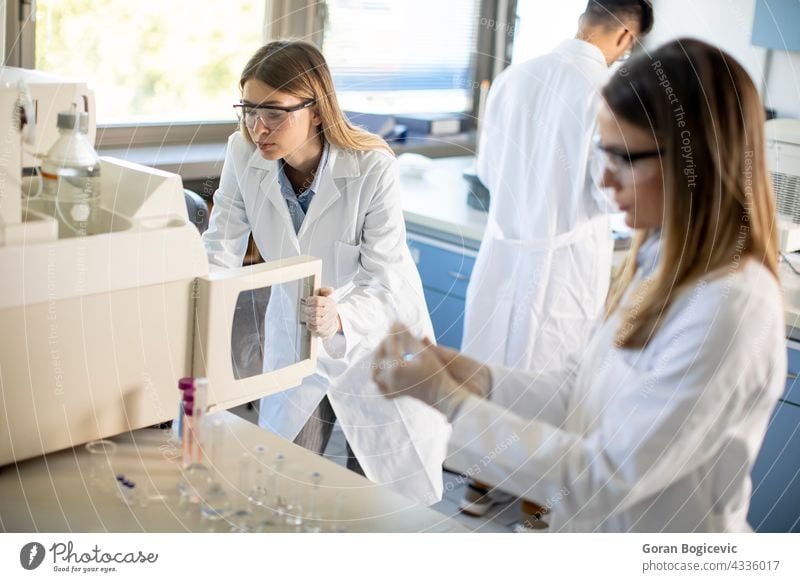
{"x":327,"y":195}
{"x":270,"y":190}
{"x":332,"y":184}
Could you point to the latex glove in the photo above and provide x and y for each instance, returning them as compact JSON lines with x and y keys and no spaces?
{"x":471,"y":374}
{"x":404,"y":366}
{"x":322,"y":318}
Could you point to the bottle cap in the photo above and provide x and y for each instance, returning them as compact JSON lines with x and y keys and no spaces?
{"x":185,"y":383}
{"x":68,"y":120}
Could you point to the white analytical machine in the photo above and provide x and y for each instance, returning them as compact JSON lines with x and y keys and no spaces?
{"x":97,"y":329}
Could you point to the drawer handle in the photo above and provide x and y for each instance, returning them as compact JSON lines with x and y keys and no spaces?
{"x":458,"y":276}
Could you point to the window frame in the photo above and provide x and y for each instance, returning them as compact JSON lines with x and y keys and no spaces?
{"x":283,"y":19}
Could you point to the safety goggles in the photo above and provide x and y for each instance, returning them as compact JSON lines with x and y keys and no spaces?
{"x":621,"y":163}
{"x":272,"y":117}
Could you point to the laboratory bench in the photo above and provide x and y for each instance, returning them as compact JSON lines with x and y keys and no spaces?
{"x":69,"y":491}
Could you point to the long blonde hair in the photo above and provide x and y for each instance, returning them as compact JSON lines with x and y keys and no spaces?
{"x":719,"y":209}
{"x":298,"y":68}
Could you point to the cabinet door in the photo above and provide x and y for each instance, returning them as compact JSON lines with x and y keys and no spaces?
{"x":250,"y":337}
{"x":792,"y":392}
{"x":447,"y":316}
{"x":442,"y":267}
{"x":775,"y":502}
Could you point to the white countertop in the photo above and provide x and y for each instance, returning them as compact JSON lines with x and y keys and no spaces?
{"x":437,"y":201}
{"x":55,"y":493}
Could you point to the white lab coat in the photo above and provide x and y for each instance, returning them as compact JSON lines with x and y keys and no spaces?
{"x":355,"y":225}
{"x":543,"y":269}
{"x":659,"y":439}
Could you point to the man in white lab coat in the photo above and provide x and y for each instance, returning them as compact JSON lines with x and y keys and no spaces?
{"x":543,"y":269}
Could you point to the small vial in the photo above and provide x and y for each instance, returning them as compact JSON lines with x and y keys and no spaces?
{"x":199,"y":417}
{"x":241,"y":515}
{"x":313,"y":522}
{"x":125,"y":490}
{"x":186,"y":387}
{"x":215,"y":501}
{"x":195,"y":477}
{"x":277,"y":476}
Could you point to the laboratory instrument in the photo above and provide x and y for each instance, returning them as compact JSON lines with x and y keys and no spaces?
{"x":97,"y":328}
{"x":783,"y":162}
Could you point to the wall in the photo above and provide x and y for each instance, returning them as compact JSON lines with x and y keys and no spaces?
{"x":729,"y":24}
{"x":2,"y":32}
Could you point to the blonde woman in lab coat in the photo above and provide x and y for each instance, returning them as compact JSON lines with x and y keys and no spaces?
{"x":657,"y":426}
{"x":304,"y":181}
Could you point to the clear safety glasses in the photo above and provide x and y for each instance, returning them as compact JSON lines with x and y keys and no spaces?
{"x":272,"y":117}
{"x":621,"y":163}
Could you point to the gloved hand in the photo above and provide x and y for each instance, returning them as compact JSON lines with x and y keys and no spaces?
{"x":404,"y":366}
{"x":322,"y":318}
{"x":471,"y":374}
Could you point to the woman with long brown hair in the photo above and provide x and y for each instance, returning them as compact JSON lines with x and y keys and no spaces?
{"x":657,"y":424}
{"x":304,"y":181}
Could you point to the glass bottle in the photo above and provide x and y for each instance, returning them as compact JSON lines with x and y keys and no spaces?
{"x":71,"y":177}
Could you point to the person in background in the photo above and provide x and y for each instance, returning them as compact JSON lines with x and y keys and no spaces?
{"x":543,"y":269}
{"x":657,"y":425}
{"x":304,"y":181}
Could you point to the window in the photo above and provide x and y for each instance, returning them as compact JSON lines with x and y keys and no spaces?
{"x":151,"y":61}
{"x":402,"y":57}
{"x":166,"y":72}
{"x":538,"y":33}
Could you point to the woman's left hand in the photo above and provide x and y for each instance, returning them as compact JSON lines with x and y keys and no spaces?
{"x":322,"y":318}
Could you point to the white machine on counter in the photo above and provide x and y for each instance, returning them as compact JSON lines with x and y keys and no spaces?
{"x":783,"y":160}
{"x":96,"y":330}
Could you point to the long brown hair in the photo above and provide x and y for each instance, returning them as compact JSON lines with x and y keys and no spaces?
{"x":707,"y":117}
{"x":298,"y":68}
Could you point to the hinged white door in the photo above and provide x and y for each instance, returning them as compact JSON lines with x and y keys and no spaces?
{"x":250,"y":337}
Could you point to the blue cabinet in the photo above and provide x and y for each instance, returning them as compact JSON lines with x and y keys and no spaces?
{"x":445,"y":270}
{"x":792,"y":393}
{"x":447,"y":315}
{"x":775,"y":502}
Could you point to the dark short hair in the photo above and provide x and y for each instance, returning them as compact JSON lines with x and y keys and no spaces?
{"x":613,"y":12}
